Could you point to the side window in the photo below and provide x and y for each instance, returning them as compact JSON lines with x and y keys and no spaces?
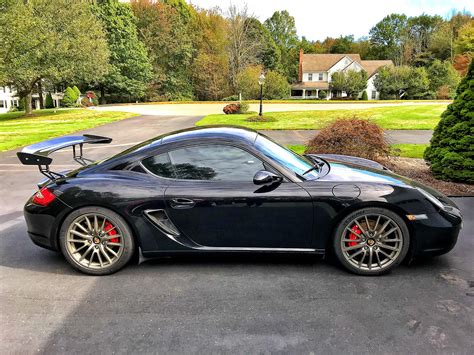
{"x":160,"y":165}
{"x":215,"y":162}
{"x":320,"y":76}
{"x":310,"y":77}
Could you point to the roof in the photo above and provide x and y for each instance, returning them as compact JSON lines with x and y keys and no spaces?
{"x":372,"y":66}
{"x":311,"y":85}
{"x":324,"y":62}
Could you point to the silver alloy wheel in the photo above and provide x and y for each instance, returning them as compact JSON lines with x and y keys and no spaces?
{"x":372,"y":242}
{"x":94,"y":241}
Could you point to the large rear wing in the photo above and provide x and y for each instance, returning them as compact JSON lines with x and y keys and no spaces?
{"x":38,"y":154}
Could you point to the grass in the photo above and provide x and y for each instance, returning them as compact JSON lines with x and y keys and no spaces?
{"x":402,"y":150}
{"x":410,"y":150}
{"x":287,"y":101}
{"x":392,"y":117}
{"x":16,"y":130}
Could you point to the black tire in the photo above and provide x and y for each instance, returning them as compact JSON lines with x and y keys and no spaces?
{"x":126,"y":239}
{"x":377,"y":245}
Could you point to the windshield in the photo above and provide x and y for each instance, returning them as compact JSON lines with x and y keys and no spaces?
{"x":285,"y":157}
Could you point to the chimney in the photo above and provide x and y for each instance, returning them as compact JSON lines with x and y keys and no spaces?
{"x":300,"y":66}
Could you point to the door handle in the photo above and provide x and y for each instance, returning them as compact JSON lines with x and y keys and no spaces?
{"x":182,"y":203}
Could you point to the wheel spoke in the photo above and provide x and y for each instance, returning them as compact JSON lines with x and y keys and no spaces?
{"x":358,"y":246}
{"x":108,"y":237}
{"x":96,"y":224}
{"x":82,"y":235}
{"x":362,"y":259}
{"x":367,"y":223}
{"x":388,"y":247}
{"x":102,"y":228}
{"x":77,"y":241}
{"x":102,"y":249}
{"x":100,"y":259}
{"x":80,"y":248}
{"x":82,"y":227}
{"x":115,"y":244}
{"x":376,"y":224}
{"x":378,"y":258}
{"x":360,"y":227}
{"x":111,"y":251}
{"x":384,"y":253}
{"x":371,"y":253}
{"x":384,"y":226}
{"x":352,"y":240}
{"x":355,"y":254}
{"x":389,"y":232}
{"x":88,"y":224}
{"x":86,"y":253}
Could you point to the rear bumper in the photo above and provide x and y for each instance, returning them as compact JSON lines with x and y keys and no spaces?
{"x":438,"y":234}
{"x":44,"y":222}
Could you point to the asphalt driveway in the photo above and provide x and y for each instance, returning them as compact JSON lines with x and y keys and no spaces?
{"x":244,"y":304}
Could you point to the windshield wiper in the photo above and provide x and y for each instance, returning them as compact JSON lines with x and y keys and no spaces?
{"x":317,"y":165}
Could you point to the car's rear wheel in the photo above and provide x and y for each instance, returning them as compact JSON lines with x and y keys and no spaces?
{"x":96,"y":241}
{"x":371,"y":241}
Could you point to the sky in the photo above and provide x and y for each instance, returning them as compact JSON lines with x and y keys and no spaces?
{"x":316,"y":19}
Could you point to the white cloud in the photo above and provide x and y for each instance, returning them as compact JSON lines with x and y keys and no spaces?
{"x":316,"y":19}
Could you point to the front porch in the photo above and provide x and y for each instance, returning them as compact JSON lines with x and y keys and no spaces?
{"x":310,"y":94}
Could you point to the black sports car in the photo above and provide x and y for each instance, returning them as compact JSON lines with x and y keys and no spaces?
{"x":228,"y":189}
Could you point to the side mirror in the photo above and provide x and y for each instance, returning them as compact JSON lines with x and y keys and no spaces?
{"x":264,"y":177}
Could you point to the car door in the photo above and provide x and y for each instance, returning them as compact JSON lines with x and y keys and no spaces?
{"x":212,"y":200}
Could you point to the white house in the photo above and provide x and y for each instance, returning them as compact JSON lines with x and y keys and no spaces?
{"x":315,"y":72}
{"x":9,"y":98}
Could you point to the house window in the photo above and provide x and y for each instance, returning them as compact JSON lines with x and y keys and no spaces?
{"x":320,"y":76}
{"x":374,"y":94}
{"x":310,"y":77}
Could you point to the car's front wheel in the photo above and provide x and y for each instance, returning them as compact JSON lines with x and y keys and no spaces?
{"x":96,"y":241}
{"x":371,"y":241}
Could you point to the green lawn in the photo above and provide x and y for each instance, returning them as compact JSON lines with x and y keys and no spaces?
{"x":402,"y":150}
{"x":16,"y":130}
{"x":392,"y":117}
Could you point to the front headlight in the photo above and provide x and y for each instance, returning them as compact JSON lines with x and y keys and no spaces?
{"x":431,"y":198}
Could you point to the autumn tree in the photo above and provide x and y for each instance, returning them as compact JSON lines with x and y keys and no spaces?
{"x":59,"y":41}
{"x":210,"y":67}
{"x":164,"y":27}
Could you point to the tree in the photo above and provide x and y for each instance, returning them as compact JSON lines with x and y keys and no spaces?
{"x":70,"y":97}
{"x":419,"y":33}
{"x":49,"y":101}
{"x":465,"y":41}
{"x":276,"y":86}
{"x":364,"y":96}
{"x":351,"y":82}
{"x":210,"y":68}
{"x":402,"y":82}
{"x":269,"y":54}
{"x":451,"y":151}
{"x":53,"y":40}
{"x":165,"y":28}
{"x":243,"y":45}
{"x":442,"y":74}
{"x":342,"y":44}
{"x":282,"y":28}
{"x":77,"y":91}
{"x":386,"y":38}
{"x":130,"y":69}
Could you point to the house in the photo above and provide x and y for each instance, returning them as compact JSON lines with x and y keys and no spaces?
{"x":315,"y":70}
{"x":9,"y":98}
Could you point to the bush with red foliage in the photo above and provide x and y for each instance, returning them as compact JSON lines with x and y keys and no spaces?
{"x":360,"y":138}
{"x":231,"y":109}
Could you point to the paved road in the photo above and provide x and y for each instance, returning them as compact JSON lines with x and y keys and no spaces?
{"x":244,"y":304}
{"x":300,"y":136}
{"x":177,"y":109}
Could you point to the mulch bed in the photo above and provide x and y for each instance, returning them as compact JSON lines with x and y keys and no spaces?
{"x":417,"y":169}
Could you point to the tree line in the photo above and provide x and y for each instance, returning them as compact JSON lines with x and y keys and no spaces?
{"x":170,"y":50}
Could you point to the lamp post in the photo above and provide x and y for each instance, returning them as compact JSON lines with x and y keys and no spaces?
{"x":261,"y":81}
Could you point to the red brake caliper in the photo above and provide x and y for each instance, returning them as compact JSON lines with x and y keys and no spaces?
{"x":108,"y":226}
{"x":355,"y":235}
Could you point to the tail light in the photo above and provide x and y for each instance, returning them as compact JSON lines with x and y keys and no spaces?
{"x":43,"y":197}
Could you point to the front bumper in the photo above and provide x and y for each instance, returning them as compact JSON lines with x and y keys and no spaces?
{"x":44,"y":222}
{"x":437,"y":234}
